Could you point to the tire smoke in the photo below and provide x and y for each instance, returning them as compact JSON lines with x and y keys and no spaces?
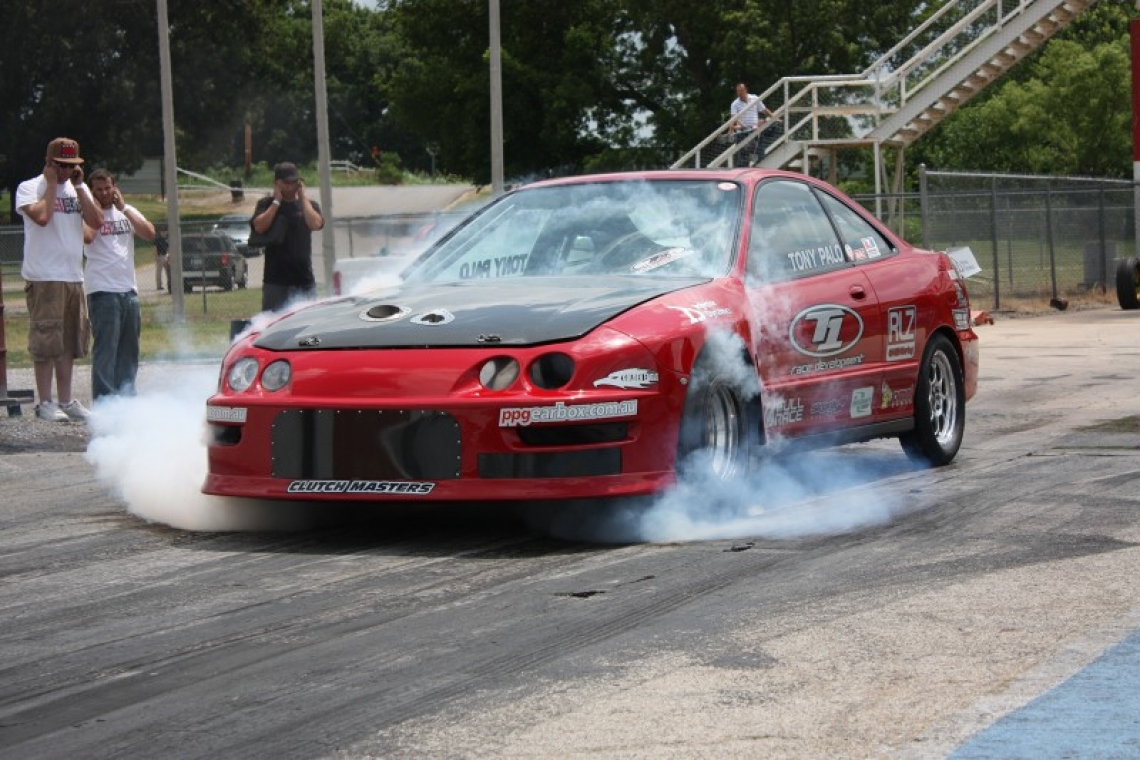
{"x":150,"y":450}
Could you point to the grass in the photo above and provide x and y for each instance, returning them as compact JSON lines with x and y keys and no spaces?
{"x":205,"y":329}
{"x":203,"y":333}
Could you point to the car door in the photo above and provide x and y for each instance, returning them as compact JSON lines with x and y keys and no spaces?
{"x":819,"y":331}
{"x":897,"y":281}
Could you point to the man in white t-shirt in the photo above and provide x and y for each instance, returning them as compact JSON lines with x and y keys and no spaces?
{"x":54,"y":206}
{"x":112,"y":290}
{"x":750,"y":108}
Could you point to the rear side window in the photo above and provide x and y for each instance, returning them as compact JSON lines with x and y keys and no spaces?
{"x":791,"y":235}
{"x":861,"y":241}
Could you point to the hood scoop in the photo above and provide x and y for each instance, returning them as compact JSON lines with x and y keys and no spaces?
{"x":435,"y":317}
{"x":384,"y":313}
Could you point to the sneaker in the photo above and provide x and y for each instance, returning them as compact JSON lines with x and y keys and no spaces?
{"x":74,"y":410}
{"x":48,"y":410}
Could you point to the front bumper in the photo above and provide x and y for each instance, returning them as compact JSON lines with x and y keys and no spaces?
{"x":441,"y":454}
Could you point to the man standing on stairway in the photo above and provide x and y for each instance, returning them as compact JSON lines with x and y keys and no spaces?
{"x":753,"y":108}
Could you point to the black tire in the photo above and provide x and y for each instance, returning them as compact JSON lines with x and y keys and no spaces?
{"x":1128,"y":283}
{"x":720,"y":425}
{"x":226,"y":281}
{"x":187,"y":286}
{"x":244,"y":280}
{"x":939,"y":407}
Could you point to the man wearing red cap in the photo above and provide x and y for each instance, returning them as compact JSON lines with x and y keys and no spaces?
{"x":54,"y":206}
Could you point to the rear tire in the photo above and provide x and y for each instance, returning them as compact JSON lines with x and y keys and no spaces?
{"x":1128,"y":283}
{"x":939,"y":407}
{"x":719,"y":425}
{"x":227,"y":280}
{"x":187,"y":286}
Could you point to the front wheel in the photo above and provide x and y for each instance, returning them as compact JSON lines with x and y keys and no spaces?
{"x":939,"y":407}
{"x":719,"y":424}
{"x":1128,"y":282}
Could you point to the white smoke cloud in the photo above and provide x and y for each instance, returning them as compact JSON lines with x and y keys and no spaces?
{"x":784,"y":497}
{"x":150,"y":450}
{"x":785,"y":494}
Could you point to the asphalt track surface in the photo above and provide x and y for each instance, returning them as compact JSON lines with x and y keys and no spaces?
{"x":987,"y":609}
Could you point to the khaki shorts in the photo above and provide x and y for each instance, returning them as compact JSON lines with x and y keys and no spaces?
{"x":58,"y":324}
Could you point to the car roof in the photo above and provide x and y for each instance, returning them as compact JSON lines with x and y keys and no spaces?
{"x":658,"y":175}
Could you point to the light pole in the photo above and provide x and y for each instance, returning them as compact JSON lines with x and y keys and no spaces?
{"x":170,"y":167}
{"x":496,"y":103}
{"x":324,"y":165}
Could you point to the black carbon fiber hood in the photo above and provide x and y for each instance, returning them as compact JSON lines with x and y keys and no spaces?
{"x":516,"y":312}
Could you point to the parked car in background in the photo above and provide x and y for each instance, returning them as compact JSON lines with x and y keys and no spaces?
{"x":593,"y":336}
{"x":236,"y":227}
{"x":212,"y":260}
{"x":399,"y":249}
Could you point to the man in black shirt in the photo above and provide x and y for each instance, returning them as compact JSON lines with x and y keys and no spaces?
{"x":288,"y":273}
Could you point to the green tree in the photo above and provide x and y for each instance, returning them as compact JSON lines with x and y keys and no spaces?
{"x":597,"y":83}
{"x":552,"y":67}
{"x":1065,"y":111}
{"x":90,"y":71}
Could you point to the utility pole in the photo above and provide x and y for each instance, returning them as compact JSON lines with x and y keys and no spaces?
{"x":496,"y":103}
{"x":324,"y":160}
{"x":1134,"y":34}
{"x":170,"y":166}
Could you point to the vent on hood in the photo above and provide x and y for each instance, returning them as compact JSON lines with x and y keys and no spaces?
{"x":383,"y":313}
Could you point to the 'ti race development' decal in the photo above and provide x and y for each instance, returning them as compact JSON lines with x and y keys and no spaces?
{"x":901,"y":323}
{"x":628,"y":378}
{"x":826,"y":329}
{"x":562,"y":412}
{"x":396,"y":487}
{"x":700,"y":312}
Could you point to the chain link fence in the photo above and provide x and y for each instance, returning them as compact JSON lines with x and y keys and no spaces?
{"x":391,"y":235}
{"x":1035,"y":237}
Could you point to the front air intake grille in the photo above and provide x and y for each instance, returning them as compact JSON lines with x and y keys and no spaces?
{"x":574,"y":435}
{"x":565,"y":464}
{"x":365,"y":444}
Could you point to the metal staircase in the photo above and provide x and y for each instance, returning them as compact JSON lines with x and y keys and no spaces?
{"x":958,"y":51}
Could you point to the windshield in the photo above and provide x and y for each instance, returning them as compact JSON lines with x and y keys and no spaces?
{"x":660,"y":227}
{"x":231,"y":226}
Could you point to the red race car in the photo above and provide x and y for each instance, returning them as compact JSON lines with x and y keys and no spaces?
{"x":585,"y":337}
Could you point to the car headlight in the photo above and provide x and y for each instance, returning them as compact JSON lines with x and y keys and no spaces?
{"x":242,"y":374}
{"x":499,"y":373}
{"x":277,"y":375}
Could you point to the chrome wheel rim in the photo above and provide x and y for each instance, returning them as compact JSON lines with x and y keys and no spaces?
{"x":722,"y":431}
{"x":943,"y":399}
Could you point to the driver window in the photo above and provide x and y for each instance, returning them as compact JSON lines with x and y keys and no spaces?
{"x":791,"y":236}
